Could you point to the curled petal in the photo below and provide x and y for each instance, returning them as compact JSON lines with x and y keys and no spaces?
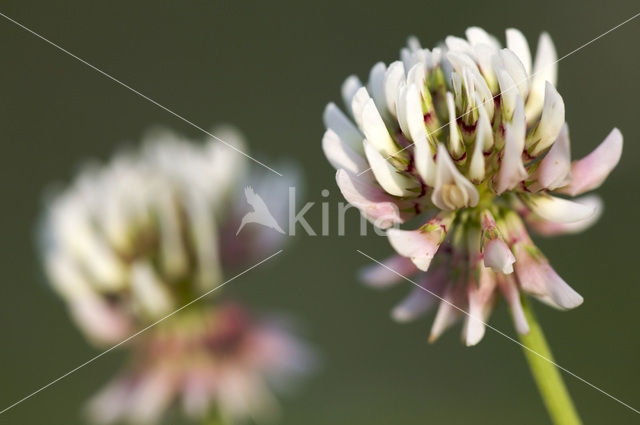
{"x":340,"y":155}
{"x":537,"y":277}
{"x":508,"y":61}
{"x":555,"y":168}
{"x":422,"y":244}
{"x":391,"y":180}
{"x":389,"y":273}
{"x":559,"y":210}
{"x":591,"y":171}
{"x":551,"y":121}
{"x":510,"y":292}
{"x":334,"y":119}
{"x":449,"y":311}
{"x":376,"y":205}
{"x":550,"y":228}
{"x":451,"y":191}
{"x":545,"y":69}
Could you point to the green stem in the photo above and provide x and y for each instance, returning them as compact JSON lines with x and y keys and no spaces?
{"x":547,"y":376}
{"x":214,"y":418}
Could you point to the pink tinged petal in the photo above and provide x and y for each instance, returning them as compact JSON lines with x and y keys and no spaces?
{"x":537,"y":277}
{"x":421,"y":299}
{"x":547,"y":129}
{"x":376,"y":87}
{"x":559,"y":210}
{"x":545,"y":68}
{"x":376,"y":131}
{"x":481,"y":298}
{"x":110,"y":404}
{"x":388,"y":274}
{"x":452,"y":190}
{"x":554,"y":170}
{"x":340,"y":155}
{"x":394,"y":77}
{"x":512,"y":170}
{"x":349,"y":89}
{"x":592,"y":170}
{"x":517,"y":43}
{"x":424,"y":162}
{"x":449,"y":311}
{"x":334,"y":119}
{"x":151,"y":397}
{"x":550,"y":228}
{"x":498,"y":256}
{"x":511,"y":294}
{"x":391,"y":180}
{"x":422,"y":244}
{"x":376,"y":205}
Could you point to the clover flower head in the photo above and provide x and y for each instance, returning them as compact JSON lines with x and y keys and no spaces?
{"x":131,"y":240}
{"x":474,"y":135}
{"x":223,"y":361}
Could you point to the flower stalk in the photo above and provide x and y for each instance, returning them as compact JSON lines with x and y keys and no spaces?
{"x":548,"y":378}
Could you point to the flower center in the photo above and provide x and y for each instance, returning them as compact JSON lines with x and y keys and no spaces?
{"x":454,"y":197}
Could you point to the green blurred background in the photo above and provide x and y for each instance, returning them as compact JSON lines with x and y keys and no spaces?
{"x":269,"y":68}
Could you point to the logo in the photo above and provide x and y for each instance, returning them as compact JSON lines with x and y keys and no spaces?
{"x":260,"y":214}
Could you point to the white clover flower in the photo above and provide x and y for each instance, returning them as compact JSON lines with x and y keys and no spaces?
{"x":132,"y":240}
{"x":222,"y":361}
{"x":475,"y":135}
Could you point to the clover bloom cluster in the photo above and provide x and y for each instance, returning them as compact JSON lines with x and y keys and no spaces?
{"x":472,"y":137}
{"x":224,"y":361}
{"x":131,"y":242}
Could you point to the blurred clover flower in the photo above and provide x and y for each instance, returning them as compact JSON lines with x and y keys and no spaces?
{"x":223,"y":361}
{"x":133,"y":240}
{"x":476,"y":135}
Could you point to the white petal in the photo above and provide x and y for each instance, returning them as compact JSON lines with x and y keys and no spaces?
{"x":484,"y":56}
{"x":545,"y":68}
{"x":376,"y":87}
{"x":512,"y":169}
{"x":559,"y":210}
{"x":340,"y":155}
{"x":551,"y":121}
{"x":550,"y":228}
{"x":458,"y":44}
{"x":477,"y":35}
{"x":447,"y":313}
{"x":455,"y":142}
{"x":419,"y":245}
{"x":516,"y":70}
{"x":334,"y":119}
{"x":425,"y":164}
{"x":445,"y":196}
{"x":349,"y":89}
{"x":151,"y":293}
{"x":360,"y":99}
{"x":555,"y":168}
{"x":517,"y":43}
{"x":481,"y":297}
{"x":591,"y":171}
{"x":393,"y":78}
{"x":508,"y":93}
{"x":376,"y":131}
{"x":417,"y":76}
{"x":387,"y":175}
